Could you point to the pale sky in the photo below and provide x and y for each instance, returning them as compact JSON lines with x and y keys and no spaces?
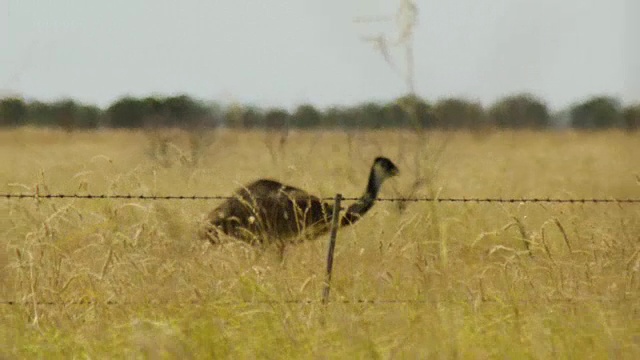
{"x":285,"y":52}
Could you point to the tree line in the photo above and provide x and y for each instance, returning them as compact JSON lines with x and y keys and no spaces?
{"x":519,"y":111}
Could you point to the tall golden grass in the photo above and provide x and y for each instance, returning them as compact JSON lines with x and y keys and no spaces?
{"x":482,"y":280}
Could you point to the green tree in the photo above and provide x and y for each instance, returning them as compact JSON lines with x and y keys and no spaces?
{"x":306,"y":116}
{"x":599,"y":112}
{"x":88,"y":117}
{"x":252,"y":117}
{"x":418,"y":112}
{"x":519,"y":112}
{"x":454,"y":113}
{"x":333,"y":117}
{"x":127,"y":112}
{"x":183,"y":111}
{"x":64,"y":114}
{"x":153,"y":112}
{"x":40,"y":114}
{"x":632,"y":117}
{"x":276,"y":118}
{"x":238,"y":116}
{"x":394,"y":115}
{"x":13,"y":112}
{"x":366,"y":116}
{"x":349,"y":118}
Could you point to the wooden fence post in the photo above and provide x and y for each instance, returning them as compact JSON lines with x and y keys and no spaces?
{"x":332,"y":244}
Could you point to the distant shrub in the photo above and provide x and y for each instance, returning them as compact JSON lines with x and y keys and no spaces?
{"x":453,"y":113}
{"x":418,"y":112}
{"x":306,"y":116}
{"x":176,"y":111}
{"x":519,"y":112}
{"x":243,"y":117}
{"x":13,"y":111}
{"x":276,"y":118}
{"x":599,"y":112}
{"x":128,"y":112}
{"x":632,"y":117}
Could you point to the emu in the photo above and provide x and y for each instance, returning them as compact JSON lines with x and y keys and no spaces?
{"x":267,"y":211}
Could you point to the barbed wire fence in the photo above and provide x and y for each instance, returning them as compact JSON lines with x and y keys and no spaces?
{"x":593,"y":200}
{"x":332,"y":240}
{"x":568,"y":300}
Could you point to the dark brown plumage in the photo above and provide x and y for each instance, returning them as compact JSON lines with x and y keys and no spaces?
{"x":267,"y":211}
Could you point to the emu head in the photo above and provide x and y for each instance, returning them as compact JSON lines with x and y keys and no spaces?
{"x":384,"y":168}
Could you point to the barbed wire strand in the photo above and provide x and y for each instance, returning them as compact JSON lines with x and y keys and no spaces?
{"x":395,"y":199}
{"x":272,"y":302}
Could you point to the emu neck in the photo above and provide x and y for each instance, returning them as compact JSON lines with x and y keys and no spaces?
{"x":365,"y":202}
{"x":373,"y":186}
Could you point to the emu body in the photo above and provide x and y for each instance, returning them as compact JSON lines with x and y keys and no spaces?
{"x":267,"y":211}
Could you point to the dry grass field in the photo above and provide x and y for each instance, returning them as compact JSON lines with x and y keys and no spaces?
{"x":130,"y":279}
